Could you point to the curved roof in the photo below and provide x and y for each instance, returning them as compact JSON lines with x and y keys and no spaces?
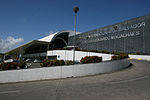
{"x":44,"y":40}
{"x":48,"y":38}
{"x":51,"y":37}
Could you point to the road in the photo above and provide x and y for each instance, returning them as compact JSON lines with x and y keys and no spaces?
{"x":129,"y":84}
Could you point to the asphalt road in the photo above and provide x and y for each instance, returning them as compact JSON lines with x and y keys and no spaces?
{"x":128,"y":84}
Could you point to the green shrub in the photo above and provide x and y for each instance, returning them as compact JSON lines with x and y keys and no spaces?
{"x":69,"y":62}
{"x":115,"y":57}
{"x":50,"y":62}
{"x":4,"y":66}
{"x":91,"y":59}
{"x":119,"y":56}
{"x":61,"y":62}
{"x":123,"y":55}
{"x":46,"y":63}
{"x":12,"y":65}
{"x":55,"y":62}
{"x":21,"y":64}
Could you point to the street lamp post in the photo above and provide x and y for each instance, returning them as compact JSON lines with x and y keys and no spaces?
{"x":75,"y":9}
{"x":47,"y":50}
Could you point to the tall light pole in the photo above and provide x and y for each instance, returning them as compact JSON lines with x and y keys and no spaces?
{"x":75,"y":9}
{"x":47,"y":50}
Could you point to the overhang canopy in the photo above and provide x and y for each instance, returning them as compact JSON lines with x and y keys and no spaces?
{"x":52,"y":38}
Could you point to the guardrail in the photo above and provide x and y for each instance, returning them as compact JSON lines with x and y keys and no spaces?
{"x":62,"y":71}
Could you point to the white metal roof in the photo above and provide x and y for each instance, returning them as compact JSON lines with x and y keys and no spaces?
{"x":48,"y":38}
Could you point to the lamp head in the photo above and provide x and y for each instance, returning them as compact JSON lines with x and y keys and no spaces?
{"x":75,"y":9}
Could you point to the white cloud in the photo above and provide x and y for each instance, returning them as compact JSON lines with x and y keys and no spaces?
{"x":9,"y":43}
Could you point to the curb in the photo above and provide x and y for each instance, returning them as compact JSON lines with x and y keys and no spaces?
{"x":140,"y":59}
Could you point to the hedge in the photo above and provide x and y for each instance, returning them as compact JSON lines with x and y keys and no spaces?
{"x":119,"y":56}
{"x":12,"y":65}
{"x":90,"y":59}
{"x":46,"y":63}
{"x":69,"y":62}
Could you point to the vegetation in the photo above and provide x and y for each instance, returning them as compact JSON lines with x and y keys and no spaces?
{"x":46,"y":63}
{"x":21,"y":64}
{"x":12,"y":65}
{"x":119,"y":56}
{"x":90,"y":59}
{"x":69,"y":62}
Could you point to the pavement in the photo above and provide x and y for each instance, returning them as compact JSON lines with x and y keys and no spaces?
{"x":35,"y":65}
{"x":132,"y":83}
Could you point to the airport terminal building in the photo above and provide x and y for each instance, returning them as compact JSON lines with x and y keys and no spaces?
{"x":131,"y":36}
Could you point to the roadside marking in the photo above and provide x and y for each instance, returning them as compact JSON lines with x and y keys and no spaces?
{"x":130,"y":80}
{"x":139,"y":59}
{"x":148,"y":59}
{"x":5,"y":92}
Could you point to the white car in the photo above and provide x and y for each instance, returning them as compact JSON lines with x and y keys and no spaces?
{"x":28,"y":65}
{"x":36,"y":61}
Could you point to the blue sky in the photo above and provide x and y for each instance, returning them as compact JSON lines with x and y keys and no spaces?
{"x":25,"y":20}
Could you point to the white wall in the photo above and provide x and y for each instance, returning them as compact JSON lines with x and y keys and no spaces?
{"x":68,"y":55}
{"x":140,"y":57}
{"x":62,"y":71}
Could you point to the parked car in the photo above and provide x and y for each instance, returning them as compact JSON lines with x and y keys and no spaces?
{"x":36,"y":61}
{"x":11,"y":60}
{"x":28,"y":65}
{"x":28,"y":60}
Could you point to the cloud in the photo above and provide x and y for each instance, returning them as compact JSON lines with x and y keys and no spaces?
{"x":9,"y":43}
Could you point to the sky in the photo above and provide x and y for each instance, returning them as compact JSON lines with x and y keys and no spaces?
{"x":24,"y":20}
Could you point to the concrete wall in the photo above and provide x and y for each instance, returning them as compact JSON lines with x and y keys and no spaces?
{"x":62,"y":71}
{"x":68,"y":55}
